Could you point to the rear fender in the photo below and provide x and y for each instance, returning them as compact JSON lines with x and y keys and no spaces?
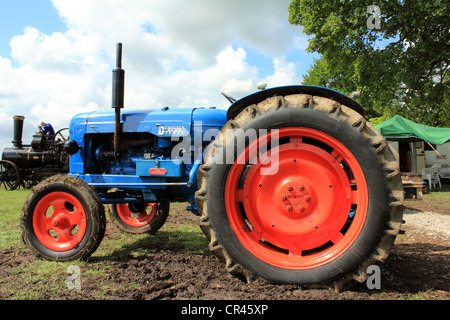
{"x":259,"y":96}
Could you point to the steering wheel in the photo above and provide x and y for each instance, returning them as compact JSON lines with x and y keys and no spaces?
{"x":60,"y":137}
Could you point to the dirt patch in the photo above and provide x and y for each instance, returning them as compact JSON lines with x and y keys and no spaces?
{"x":418,"y":267}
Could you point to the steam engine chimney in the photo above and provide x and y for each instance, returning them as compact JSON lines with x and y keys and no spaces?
{"x":18,"y":131}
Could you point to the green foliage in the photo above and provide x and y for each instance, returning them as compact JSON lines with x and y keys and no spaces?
{"x":400,"y":68}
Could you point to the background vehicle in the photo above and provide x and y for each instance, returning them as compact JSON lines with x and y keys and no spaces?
{"x":26,"y":165}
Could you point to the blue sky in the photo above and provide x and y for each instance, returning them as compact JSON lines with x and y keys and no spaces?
{"x":18,"y":14}
{"x":56,"y":56}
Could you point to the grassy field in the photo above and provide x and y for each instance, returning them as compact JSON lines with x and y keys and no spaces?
{"x":11,"y":203}
{"x":116,"y":246}
{"x":437,"y":200}
{"x":127,"y":266}
{"x":10,"y":207}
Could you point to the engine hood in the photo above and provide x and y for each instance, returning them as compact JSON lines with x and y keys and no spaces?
{"x":166,"y":122}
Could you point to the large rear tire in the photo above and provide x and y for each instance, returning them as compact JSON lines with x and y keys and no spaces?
{"x":63,"y":219}
{"x":312,"y":194}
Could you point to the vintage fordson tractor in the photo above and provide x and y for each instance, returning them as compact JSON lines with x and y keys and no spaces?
{"x":291,"y":184}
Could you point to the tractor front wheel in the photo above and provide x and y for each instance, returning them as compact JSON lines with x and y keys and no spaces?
{"x":63,"y":219}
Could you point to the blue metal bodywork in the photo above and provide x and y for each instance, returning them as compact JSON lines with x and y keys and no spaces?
{"x":151,"y":166}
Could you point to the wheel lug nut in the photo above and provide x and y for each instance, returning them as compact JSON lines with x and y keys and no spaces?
{"x":308,"y":198}
{"x":289,"y":207}
{"x":302,"y":208}
{"x":283,"y":197}
{"x":290,"y":188}
{"x":302,"y":187}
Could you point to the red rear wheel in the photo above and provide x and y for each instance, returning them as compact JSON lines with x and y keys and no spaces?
{"x":301,"y":209}
{"x":311,"y":194}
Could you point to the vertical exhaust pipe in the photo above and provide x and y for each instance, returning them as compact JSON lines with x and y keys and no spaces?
{"x":18,"y":131}
{"x":118,"y":93}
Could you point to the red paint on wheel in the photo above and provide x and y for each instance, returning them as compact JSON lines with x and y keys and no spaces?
{"x":59,"y":221}
{"x":292,"y":208}
{"x":135,"y":218}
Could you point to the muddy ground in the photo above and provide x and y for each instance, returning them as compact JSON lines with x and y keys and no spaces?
{"x":417,"y":268}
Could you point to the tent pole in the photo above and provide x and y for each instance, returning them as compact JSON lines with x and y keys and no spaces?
{"x":440,"y":155}
{"x":412,"y":146}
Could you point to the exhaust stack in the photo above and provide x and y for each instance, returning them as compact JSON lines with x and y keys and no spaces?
{"x":118,"y":92}
{"x":18,"y":131}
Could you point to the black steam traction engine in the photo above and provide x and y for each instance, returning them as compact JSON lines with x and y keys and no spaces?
{"x":26,"y":165}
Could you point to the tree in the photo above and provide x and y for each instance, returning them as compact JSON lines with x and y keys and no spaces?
{"x":321,"y":74}
{"x":396,"y":53}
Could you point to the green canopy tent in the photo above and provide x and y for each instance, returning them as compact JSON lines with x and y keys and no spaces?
{"x":400,"y":129}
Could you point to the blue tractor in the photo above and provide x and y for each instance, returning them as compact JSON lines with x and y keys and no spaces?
{"x":290,"y":184}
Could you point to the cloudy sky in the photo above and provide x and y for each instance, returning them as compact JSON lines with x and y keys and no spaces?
{"x":56,"y":56}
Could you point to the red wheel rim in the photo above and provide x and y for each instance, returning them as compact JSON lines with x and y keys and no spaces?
{"x":136,"y":217}
{"x":302,"y":204}
{"x":59,"y":221}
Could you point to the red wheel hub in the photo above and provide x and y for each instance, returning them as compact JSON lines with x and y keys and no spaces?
{"x":135,"y":216}
{"x":292,"y":208}
{"x":294,"y":198}
{"x":59,"y":221}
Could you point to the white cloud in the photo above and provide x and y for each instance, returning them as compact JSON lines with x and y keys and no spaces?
{"x":176,"y":53}
{"x":284,"y":74}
